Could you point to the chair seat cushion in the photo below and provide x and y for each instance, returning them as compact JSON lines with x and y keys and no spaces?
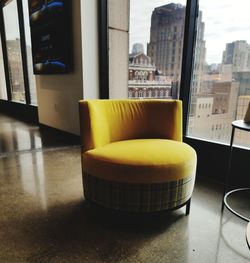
{"x":141,"y":161}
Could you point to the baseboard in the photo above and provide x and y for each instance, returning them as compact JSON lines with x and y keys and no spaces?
{"x":213,"y":162}
{"x":63,"y":136}
{"x":23,"y":112}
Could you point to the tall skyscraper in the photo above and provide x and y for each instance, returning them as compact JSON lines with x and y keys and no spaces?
{"x":237,"y":54}
{"x":166,"y":38}
{"x":15,"y":70}
{"x":199,"y":58}
{"x":166,"y":43}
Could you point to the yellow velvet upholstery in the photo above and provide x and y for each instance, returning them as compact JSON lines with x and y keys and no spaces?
{"x":130,"y":148}
{"x":141,"y":161}
{"x":106,"y":121}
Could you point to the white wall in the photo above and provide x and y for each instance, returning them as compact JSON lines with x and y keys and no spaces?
{"x":90,"y":54}
{"x":118,"y":48}
{"x":58,"y":95}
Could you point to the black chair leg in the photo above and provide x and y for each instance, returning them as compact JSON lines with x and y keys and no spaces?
{"x":188,"y":207}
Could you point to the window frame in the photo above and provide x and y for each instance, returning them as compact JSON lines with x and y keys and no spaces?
{"x":192,"y":11}
{"x":103,"y":49}
{"x":23,"y":53}
{"x":212,"y":156}
{"x":5,"y":55}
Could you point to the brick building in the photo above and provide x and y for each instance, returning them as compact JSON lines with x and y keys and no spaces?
{"x":144,"y":81}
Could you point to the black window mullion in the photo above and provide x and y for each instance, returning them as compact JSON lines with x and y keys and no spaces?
{"x":192,"y":10}
{"x":103,"y":50}
{"x":23,"y":52}
{"x":5,"y":54}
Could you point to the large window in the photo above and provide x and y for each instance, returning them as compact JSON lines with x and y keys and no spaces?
{"x":195,"y":64}
{"x":14,"y":51}
{"x":3,"y":92}
{"x":220,"y":87}
{"x":32,"y":83}
{"x":220,"y":81}
{"x":156,"y":44}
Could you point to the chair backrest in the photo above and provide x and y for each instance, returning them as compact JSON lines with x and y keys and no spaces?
{"x":106,"y":121}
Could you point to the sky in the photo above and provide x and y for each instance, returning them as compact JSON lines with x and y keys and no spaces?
{"x":225,"y":21}
{"x":11,"y":21}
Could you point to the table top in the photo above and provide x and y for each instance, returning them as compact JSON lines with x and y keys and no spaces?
{"x":240,"y":124}
{"x":248,"y":234}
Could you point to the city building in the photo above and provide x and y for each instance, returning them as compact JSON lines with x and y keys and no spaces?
{"x":166,"y":42}
{"x":244,"y":81}
{"x":213,"y":113}
{"x":242,"y":138}
{"x":144,"y":80}
{"x":166,"y":39}
{"x":15,"y":70}
{"x":225,"y":83}
{"x":199,"y":58}
{"x":237,"y":54}
{"x":226,"y":72}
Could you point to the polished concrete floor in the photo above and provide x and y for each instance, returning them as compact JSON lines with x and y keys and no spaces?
{"x":44,"y":217}
{"x":18,"y":136}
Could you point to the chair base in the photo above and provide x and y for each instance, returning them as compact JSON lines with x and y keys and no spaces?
{"x":92,"y":204}
{"x":188,"y":204}
{"x":142,"y":198}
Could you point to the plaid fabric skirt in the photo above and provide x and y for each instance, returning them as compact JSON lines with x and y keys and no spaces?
{"x":138,"y":197}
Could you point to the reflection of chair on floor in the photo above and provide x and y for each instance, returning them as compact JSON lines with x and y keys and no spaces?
{"x":248,"y":235}
{"x":133,"y":157}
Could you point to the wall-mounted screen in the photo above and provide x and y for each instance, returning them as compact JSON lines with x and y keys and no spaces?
{"x":50,"y":22}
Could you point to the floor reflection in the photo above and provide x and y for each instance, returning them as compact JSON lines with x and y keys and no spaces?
{"x":32,"y":176}
{"x":228,"y":227}
{"x":44,"y":217}
{"x":215,"y":236}
{"x":19,"y":136}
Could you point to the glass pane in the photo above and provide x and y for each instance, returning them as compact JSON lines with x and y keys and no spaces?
{"x":32,"y":83}
{"x":3,"y":91}
{"x":156,"y":42}
{"x":14,"y":51}
{"x":221,"y":76}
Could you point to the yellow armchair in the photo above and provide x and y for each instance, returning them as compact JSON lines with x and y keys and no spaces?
{"x":133,"y":157}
